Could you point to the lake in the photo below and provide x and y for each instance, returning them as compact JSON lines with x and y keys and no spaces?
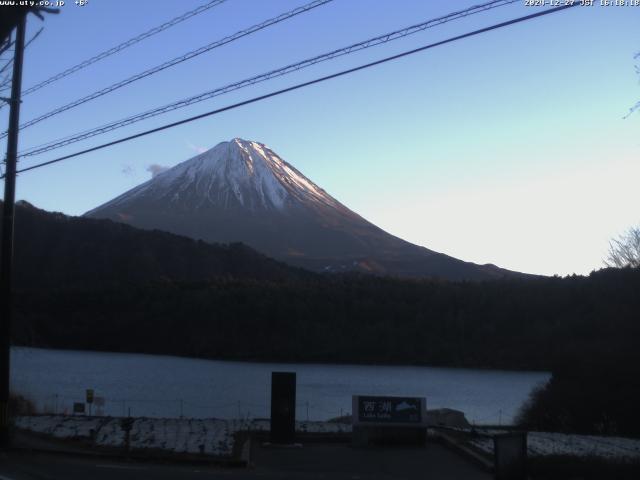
{"x":165,"y":386}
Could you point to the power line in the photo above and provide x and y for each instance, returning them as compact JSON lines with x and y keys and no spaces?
{"x":35,"y":35}
{"x":123,"y":45}
{"x":301,"y":85}
{"x":387,"y":37}
{"x":176,"y":61}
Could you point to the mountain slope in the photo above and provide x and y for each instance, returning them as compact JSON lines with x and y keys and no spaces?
{"x":243,"y":191}
{"x":53,"y":250}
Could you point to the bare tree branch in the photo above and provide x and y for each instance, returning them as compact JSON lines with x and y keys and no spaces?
{"x":6,"y":46}
{"x":5,"y":82}
{"x":625,"y":250}
{"x":636,"y":107}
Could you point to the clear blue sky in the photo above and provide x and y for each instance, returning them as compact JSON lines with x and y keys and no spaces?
{"x":509,"y":147}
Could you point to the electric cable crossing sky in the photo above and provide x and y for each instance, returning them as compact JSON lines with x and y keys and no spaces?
{"x":372,"y":42}
{"x":296,"y":87}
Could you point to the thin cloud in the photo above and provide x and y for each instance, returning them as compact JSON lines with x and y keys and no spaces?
{"x":155,"y":169}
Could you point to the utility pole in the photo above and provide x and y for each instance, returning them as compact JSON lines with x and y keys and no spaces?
{"x":6,"y":252}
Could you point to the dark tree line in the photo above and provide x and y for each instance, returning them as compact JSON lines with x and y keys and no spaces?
{"x":535,"y":323}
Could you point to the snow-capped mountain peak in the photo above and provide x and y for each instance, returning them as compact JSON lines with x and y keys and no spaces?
{"x":237,"y":173}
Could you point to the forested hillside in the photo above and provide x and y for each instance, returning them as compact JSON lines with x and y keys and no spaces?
{"x":537,"y":323}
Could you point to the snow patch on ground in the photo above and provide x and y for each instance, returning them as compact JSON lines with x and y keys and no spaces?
{"x":212,"y":436}
{"x":541,"y":444}
{"x":208,"y":436}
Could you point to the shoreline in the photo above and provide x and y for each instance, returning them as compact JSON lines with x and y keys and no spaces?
{"x":299,"y":362}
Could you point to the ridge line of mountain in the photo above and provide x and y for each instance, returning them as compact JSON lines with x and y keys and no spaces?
{"x":242,"y":191}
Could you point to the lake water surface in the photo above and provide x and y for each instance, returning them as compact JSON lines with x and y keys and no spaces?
{"x":164,"y":386}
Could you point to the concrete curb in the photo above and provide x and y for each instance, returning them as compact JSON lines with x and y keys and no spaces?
{"x":136,"y":456}
{"x":452,"y":443}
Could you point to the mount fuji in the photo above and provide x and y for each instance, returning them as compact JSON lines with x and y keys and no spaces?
{"x":242,"y":191}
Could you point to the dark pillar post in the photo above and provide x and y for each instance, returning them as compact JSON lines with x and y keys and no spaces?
{"x":6,"y":255}
{"x":283,"y":407}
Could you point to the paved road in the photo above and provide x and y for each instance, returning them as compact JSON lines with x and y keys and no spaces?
{"x":312,"y":461}
{"x":39,"y":466}
{"x":342,"y":461}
